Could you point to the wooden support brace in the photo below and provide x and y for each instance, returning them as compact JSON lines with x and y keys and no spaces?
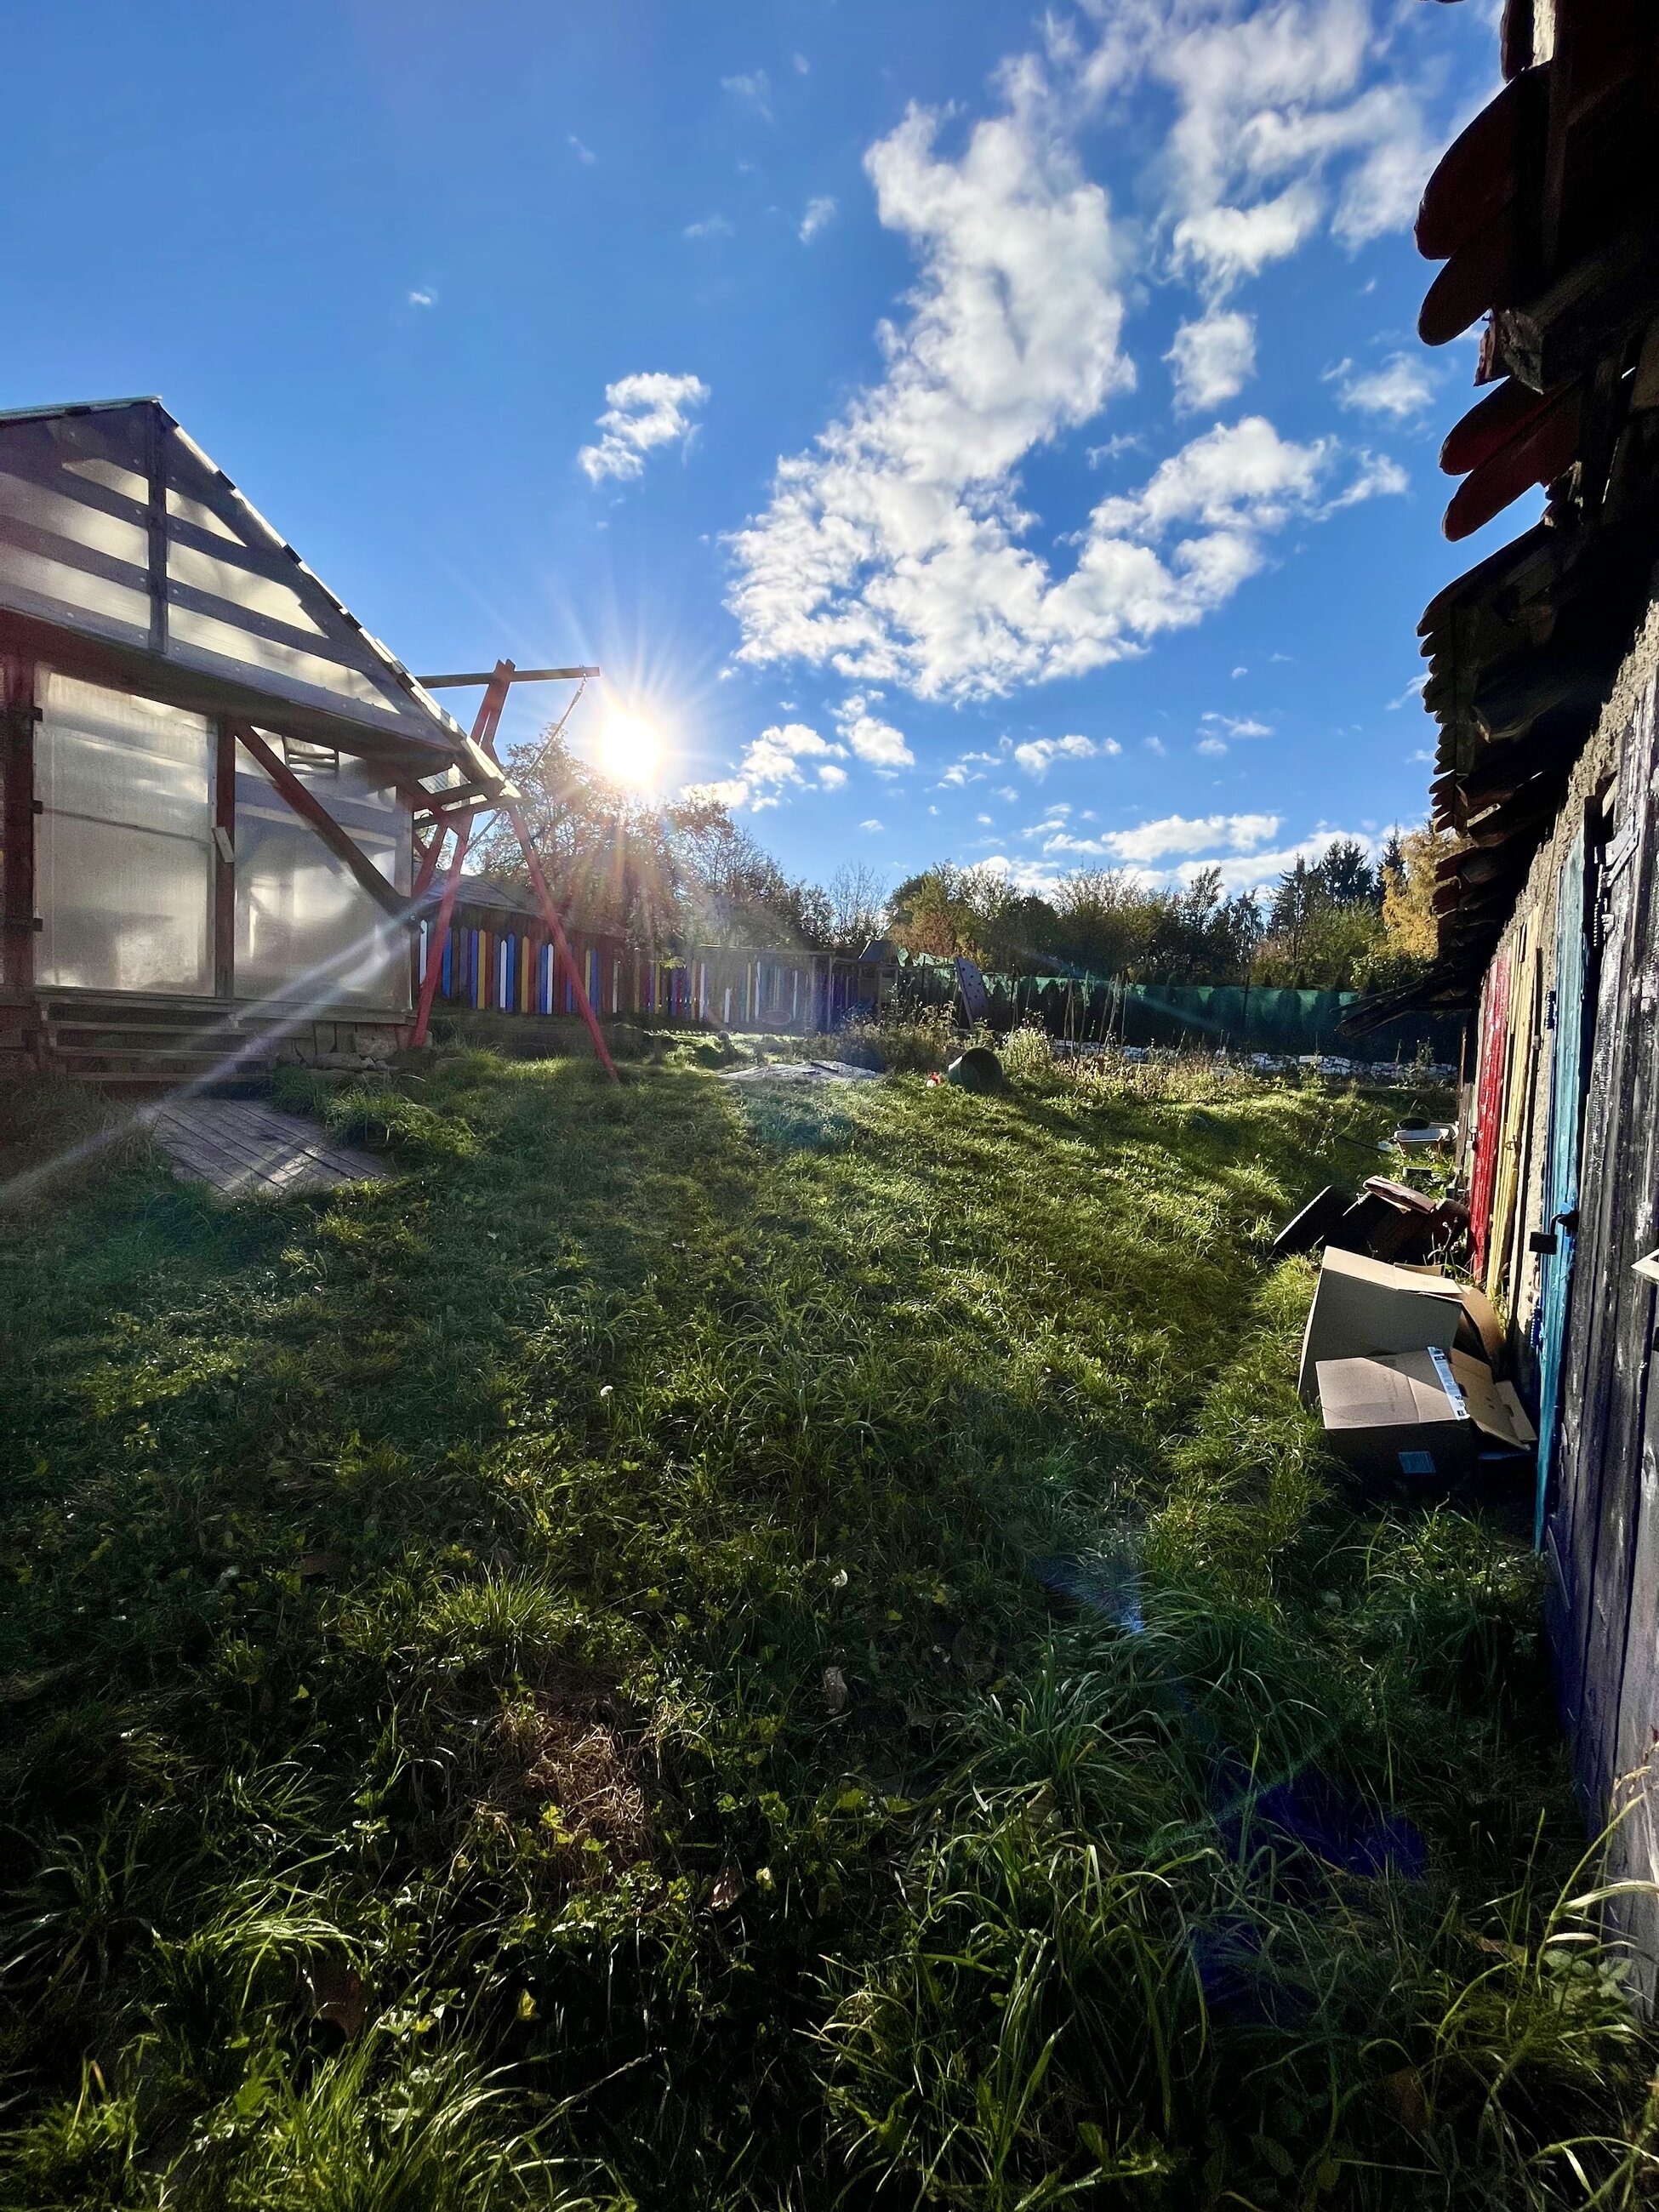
{"x":561,"y":949}
{"x":224,"y":863}
{"x":440,"y":934}
{"x":17,"y":827}
{"x":312,"y":812}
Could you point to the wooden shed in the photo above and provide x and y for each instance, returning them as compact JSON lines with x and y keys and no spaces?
{"x":1543,"y":663}
{"x":212,"y":773}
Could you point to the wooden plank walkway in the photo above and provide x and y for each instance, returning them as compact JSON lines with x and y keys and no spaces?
{"x":244,"y":1149}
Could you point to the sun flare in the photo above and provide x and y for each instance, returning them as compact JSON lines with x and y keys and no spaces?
{"x":631,"y":750}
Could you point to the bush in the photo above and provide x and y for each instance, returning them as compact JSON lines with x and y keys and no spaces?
{"x":1026,"y":1054}
{"x":904,"y":1039}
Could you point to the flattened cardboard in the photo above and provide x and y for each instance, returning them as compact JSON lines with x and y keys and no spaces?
{"x":1362,"y":1305}
{"x":1402,"y":1415}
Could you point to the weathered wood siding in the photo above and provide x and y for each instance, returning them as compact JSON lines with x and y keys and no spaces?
{"x":1601,"y":1487}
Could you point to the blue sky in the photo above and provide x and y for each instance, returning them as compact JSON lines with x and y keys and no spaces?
{"x":969,"y":433}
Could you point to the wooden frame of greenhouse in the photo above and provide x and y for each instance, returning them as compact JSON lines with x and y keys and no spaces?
{"x":212,"y":773}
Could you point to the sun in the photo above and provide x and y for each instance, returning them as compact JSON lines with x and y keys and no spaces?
{"x":631,"y":750}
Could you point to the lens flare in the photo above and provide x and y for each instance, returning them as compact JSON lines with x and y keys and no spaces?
{"x":631,"y":750}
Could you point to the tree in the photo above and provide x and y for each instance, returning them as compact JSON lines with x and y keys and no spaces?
{"x":1410,"y":937}
{"x":1199,"y":936}
{"x":857,"y":907}
{"x":1103,"y":920}
{"x":1324,"y":922}
{"x":1296,"y":896}
{"x":736,"y":894}
{"x":613,"y":859}
{"x":948,"y":912}
{"x":659,"y":875}
{"x":1346,"y":876}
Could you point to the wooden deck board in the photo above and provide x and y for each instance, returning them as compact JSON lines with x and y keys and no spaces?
{"x":245,"y":1150}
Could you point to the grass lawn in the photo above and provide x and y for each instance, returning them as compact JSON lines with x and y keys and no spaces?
{"x":715,"y":1646}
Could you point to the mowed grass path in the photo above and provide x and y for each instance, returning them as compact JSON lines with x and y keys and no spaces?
{"x":705,"y":1646}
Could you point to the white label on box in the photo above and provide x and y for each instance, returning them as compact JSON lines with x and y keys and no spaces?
{"x":1450,"y":1384}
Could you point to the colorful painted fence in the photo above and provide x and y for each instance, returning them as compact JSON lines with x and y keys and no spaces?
{"x":498,"y":959}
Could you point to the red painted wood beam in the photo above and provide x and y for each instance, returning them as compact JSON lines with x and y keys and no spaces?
{"x":311,"y":811}
{"x":434,"y":957}
{"x":1537,"y":454}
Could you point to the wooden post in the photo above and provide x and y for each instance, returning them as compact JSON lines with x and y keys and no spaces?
{"x":155,"y":530}
{"x":224,"y":864}
{"x":17,"y":856}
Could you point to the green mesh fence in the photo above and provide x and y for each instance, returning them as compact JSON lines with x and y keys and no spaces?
{"x":1243,"y":1018}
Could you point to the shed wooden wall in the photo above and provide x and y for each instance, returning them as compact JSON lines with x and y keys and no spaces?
{"x":1601,"y":1527}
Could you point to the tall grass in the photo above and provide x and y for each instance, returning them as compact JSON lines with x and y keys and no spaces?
{"x":675,"y":1652}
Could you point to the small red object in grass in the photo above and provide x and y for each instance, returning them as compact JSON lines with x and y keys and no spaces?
{"x":932,"y":1079}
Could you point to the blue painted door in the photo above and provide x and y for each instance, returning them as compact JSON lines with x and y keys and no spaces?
{"x":1561,"y":1164}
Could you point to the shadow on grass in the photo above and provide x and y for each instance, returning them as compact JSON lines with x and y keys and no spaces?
{"x":572,"y":1601}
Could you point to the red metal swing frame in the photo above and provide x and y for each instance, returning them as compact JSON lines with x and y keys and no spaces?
{"x":497,"y":687}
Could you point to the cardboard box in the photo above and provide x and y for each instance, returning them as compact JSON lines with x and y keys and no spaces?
{"x":1362,"y":1305}
{"x":1479,"y":1333}
{"x":1500,"y":1419}
{"x":1417,"y":1416}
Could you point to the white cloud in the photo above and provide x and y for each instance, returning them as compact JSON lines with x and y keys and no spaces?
{"x":1214,"y":747}
{"x":1154,"y":745}
{"x":873,"y":740}
{"x":802,"y":67}
{"x":1244,"y":478}
{"x":772,"y":757}
{"x":1123,"y":441}
{"x":755,"y":88}
{"x":1271,"y":103}
{"x":772,"y":761}
{"x":1379,"y":478}
{"x":1411,"y":695}
{"x":1212,"y":359}
{"x":708,"y":226}
{"x":1401,"y":388}
{"x":1035,"y":757}
{"x":888,"y":550}
{"x":872,"y":825}
{"x":1174,"y":834}
{"x":1235,"y":725}
{"x":583,"y":154}
{"x":641,"y":413}
{"x":725,"y":791}
{"x":1172,"y":850}
{"x":1259,"y":869}
{"x":894,"y":548}
{"x":422,"y":297}
{"x":820,"y":214}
